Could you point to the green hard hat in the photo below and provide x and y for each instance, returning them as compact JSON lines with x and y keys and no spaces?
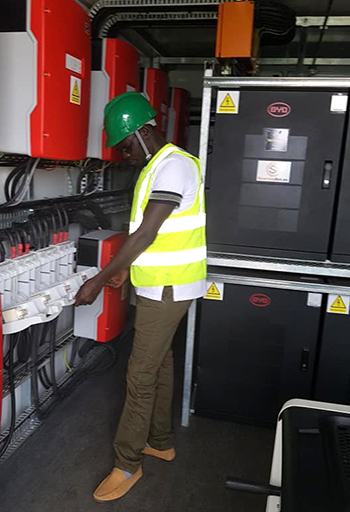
{"x":124,"y":115}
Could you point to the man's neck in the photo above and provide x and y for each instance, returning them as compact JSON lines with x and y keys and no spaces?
{"x":157,"y":144}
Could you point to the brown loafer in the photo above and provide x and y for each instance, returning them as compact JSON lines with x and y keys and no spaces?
{"x":168,"y":455}
{"x":116,"y":485}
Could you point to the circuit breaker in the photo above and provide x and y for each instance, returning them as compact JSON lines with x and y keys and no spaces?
{"x":45,"y":68}
{"x":156,"y":89}
{"x":115,"y":70}
{"x":104,"y":319}
{"x":179,"y":117}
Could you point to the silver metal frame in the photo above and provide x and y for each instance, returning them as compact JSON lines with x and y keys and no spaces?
{"x":281,"y":284}
{"x":281,"y":81}
{"x":248,"y":262}
{"x":191,"y":321}
{"x":314,"y":268}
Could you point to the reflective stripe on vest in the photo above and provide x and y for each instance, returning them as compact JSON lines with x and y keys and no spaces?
{"x":178,"y":254}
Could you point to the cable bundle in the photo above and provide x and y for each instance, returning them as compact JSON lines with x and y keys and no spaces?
{"x":18,"y":181}
{"x":276,"y":23}
{"x":91,"y":172}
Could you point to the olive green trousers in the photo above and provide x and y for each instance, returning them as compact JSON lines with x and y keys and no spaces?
{"x":146,"y":416}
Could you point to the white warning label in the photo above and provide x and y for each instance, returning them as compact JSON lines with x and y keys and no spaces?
{"x":228,"y":102}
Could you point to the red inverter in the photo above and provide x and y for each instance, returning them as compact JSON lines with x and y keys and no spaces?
{"x":1,"y":367}
{"x":179,"y":117}
{"x":156,"y":89}
{"x":45,"y":70}
{"x":115,"y":70}
{"x":105,"y":318}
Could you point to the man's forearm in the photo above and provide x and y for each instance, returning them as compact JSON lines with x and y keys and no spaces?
{"x":133,"y":247}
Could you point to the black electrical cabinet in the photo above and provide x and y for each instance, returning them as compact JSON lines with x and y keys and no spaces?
{"x":274,"y":175}
{"x":341,"y":242}
{"x":256,"y":350}
{"x":332,"y":382}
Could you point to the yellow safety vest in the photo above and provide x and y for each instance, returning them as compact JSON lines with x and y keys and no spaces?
{"x":178,"y":254}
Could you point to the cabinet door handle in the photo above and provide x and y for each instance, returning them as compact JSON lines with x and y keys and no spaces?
{"x":304,"y":361}
{"x":327,"y":174}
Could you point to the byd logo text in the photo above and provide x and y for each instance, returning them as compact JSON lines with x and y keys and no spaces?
{"x":260,"y":300}
{"x":279,"y":109}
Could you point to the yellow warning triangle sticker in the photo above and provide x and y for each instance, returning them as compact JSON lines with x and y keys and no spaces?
{"x":227,"y":105}
{"x":213,"y":292}
{"x":76,"y":90}
{"x":338,"y":306}
{"x":75,"y":93}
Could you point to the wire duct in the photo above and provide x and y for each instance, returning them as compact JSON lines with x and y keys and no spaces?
{"x":11,"y":374}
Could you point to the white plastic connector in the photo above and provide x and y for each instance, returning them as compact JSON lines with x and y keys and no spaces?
{"x":46,"y":305}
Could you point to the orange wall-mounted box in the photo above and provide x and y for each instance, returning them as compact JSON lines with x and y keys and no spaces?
{"x":235,"y":30}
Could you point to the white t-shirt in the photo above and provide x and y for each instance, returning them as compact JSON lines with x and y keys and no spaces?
{"x":175,"y":181}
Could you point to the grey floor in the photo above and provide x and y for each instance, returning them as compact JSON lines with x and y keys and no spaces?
{"x":58,"y":468}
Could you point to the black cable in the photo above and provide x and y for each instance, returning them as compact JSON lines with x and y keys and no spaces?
{"x":31,"y":162}
{"x":46,"y":231}
{"x":42,"y":372}
{"x":23,"y":348}
{"x":107,"y":366}
{"x":54,"y":226}
{"x":34,"y":369}
{"x":39,"y":231}
{"x":7,"y":441}
{"x":11,"y":238}
{"x":21,"y":167}
{"x":75,"y":348}
{"x":43,"y":377}
{"x":19,"y":243}
{"x":60,"y":223}
{"x":18,"y":181}
{"x":317,"y":51}
{"x":66,"y":223}
{"x":52,"y":355}
{"x":2,"y":252}
{"x":35,"y":236}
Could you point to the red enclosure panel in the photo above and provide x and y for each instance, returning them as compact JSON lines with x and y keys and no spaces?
{"x":157,"y":89}
{"x":122,"y":67}
{"x":59,"y":123}
{"x":179,"y":117}
{"x":1,"y":366}
{"x":115,"y":304}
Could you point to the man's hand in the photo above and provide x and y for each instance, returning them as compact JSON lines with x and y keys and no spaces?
{"x":118,"y":280}
{"x":88,"y":292}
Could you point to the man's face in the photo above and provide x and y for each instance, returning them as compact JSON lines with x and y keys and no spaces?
{"x":132,"y":152}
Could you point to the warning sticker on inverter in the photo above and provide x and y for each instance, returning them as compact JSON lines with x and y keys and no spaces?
{"x":273,"y":171}
{"x":228,"y":102}
{"x":338,"y":304}
{"x":75,"y":90}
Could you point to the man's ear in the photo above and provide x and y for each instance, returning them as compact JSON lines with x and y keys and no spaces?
{"x":145,"y":132}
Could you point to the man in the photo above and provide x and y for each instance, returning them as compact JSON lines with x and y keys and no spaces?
{"x":166,"y":253}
